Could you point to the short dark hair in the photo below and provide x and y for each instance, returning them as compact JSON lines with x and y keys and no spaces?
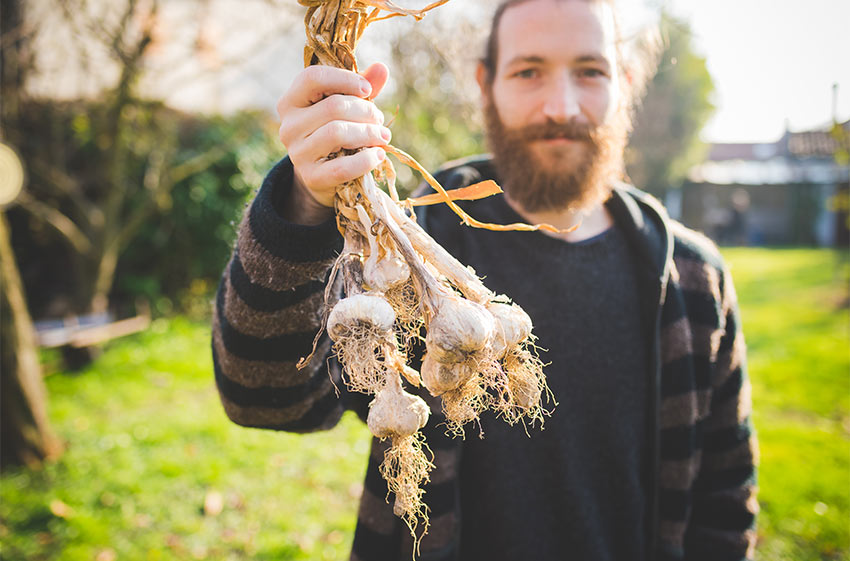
{"x":641,"y":65}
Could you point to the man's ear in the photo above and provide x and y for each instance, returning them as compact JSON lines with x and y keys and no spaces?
{"x":628,"y":75}
{"x":481,"y":78}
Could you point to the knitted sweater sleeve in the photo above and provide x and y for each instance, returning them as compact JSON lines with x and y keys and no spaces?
{"x":267,"y":311}
{"x":724,"y":504}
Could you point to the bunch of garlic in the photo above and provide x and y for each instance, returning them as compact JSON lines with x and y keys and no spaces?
{"x":397,"y":280}
{"x":478,"y":346}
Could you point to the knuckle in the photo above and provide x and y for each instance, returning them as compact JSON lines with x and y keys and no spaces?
{"x":338,"y":172}
{"x":370,"y":113}
{"x":334,"y":106}
{"x":284,"y":132}
{"x":312,"y":75}
{"x":335,"y":131}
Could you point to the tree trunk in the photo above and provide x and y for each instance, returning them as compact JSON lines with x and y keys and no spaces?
{"x":26,"y":435}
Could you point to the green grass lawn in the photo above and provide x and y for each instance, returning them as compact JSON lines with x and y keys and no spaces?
{"x":794,"y":306}
{"x":149,"y":445}
{"x":154,"y":470}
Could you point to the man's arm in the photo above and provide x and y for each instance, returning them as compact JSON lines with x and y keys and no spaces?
{"x":267,"y":311}
{"x":270,"y":298}
{"x":722,"y":521}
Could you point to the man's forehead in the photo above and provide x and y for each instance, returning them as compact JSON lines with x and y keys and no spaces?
{"x":564,"y":28}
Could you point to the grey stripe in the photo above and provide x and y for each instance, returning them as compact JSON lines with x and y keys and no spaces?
{"x":304,"y":316}
{"x":680,"y":474}
{"x":272,"y":272}
{"x":672,"y":533}
{"x":258,"y":373}
{"x":698,"y":276}
{"x":441,"y":531}
{"x":376,"y":514}
{"x":685,"y":409}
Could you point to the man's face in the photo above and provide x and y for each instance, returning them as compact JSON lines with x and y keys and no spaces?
{"x":555,"y":117}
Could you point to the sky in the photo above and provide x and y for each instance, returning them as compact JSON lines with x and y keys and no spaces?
{"x":772,"y":61}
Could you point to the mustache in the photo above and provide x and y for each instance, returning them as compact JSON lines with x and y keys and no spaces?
{"x":571,"y":130}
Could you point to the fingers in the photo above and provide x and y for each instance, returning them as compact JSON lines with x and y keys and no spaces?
{"x":304,"y":122}
{"x":326,"y":110}
{"x":317,"y":82}
{"x":321,"y":178}
{"x":336,"y":135}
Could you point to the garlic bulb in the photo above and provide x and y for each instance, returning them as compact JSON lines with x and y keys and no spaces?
{"x":380,"y":274}
{"x":440,"y":377}
{"x":383,"y":274}
{"x":394,"y":412}
{"x":513,"y":326}
{"x":459,"y":328}
{"x":361,"y":311}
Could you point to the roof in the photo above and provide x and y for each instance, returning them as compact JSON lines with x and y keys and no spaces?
{"x":819,"y":143}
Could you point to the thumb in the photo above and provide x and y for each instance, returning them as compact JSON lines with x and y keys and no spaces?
{"x":377,"y":74}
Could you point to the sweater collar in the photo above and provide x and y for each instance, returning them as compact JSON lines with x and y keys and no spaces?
{"x":646,"y":224}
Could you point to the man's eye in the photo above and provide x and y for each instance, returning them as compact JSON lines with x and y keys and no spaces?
{"x":526,"y":73}
{"x":591,"y":73}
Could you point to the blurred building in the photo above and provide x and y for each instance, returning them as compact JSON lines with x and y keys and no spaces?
{"x":789,"y":192}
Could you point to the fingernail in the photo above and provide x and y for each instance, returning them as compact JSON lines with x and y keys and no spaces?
{"x":382,"y":155}
{"x":365,"y":87}
{"x":386,"y":134}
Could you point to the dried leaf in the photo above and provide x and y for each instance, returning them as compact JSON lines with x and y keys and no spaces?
{"x":408,"y":160}
{"x":472,"y":192}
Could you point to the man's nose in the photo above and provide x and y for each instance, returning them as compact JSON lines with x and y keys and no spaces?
{"x":562,"y":101}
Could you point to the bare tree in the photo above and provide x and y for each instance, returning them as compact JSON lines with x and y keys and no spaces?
{"x":27,"y":437}
{"x":129,"y":142}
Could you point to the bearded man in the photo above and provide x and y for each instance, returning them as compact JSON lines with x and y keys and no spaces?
{"x":649,"y":453}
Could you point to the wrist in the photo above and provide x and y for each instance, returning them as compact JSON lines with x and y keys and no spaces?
{"x":300,"y":207}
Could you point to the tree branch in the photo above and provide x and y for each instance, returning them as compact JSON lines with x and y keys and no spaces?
{"x":200,"y":162}
{"x":65,"y":184}
{"x":61,"y":223}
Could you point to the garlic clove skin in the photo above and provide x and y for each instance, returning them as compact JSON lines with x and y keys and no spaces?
{"x":460,"y":327}
{"x":383,"y":274}
{"x":440,"y":377}
{"x":369,"y":309}
{"x":395,"y":412}
{"x":526,"y":393}
{"x":512,"y":326}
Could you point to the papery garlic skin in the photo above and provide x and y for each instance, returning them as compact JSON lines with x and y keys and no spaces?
{"x":459,"y":328}
{"x":383,"y":274}
{"x":394,"y":412}
{"x":369,"y":310}
{"x":440,"y":377}
{"x":513,"y":326}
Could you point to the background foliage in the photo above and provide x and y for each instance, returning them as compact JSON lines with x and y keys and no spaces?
{"x":665,"y":143}
{"x":185,"y":236}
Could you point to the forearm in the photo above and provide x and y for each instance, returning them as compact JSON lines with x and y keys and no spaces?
{"x":268,"y":309}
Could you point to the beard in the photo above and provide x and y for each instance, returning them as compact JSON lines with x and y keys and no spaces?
{"x":569,"y":177}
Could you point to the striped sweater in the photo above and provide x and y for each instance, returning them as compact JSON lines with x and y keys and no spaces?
{"x":702,"y":449}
